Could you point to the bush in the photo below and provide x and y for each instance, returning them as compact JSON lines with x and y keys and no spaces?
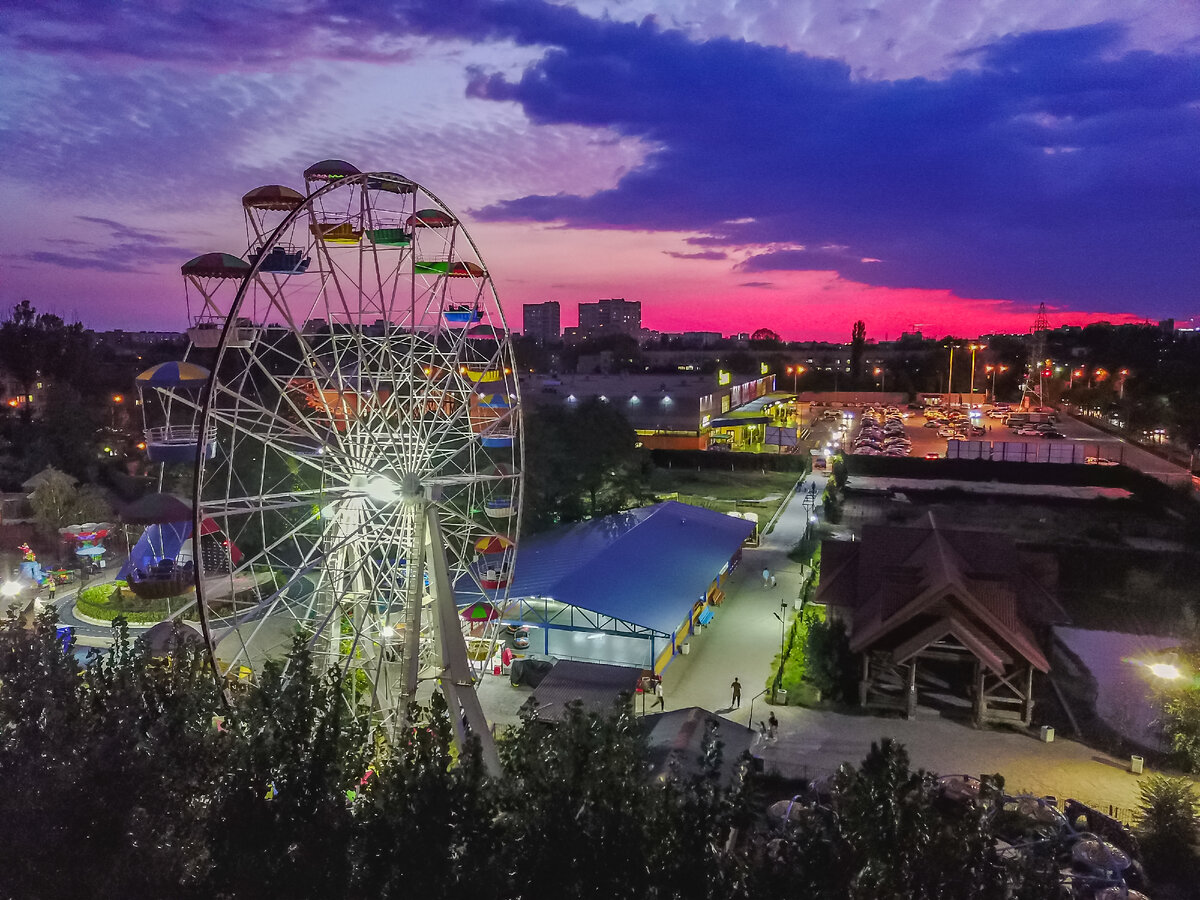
{"x":831,"y":667}
{"x":1168,"y":828}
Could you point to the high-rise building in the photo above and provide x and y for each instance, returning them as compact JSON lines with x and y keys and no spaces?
{"x":541,"y":322}
{"x":615,"y":316}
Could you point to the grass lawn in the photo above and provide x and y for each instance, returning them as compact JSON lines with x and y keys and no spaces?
{"x":760,"y":492}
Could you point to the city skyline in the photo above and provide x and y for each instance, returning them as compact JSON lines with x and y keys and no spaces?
{"x":794,"y":166}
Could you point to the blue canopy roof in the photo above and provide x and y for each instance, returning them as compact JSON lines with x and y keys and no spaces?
{"x":648,"y":566}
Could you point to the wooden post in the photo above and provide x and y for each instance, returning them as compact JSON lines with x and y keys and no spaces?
{"x":976,"y":695}
{"x":911,"y":709}
{"x":1027,"y":700}
{"x":864,"y":684}
{"x":981,"y":702}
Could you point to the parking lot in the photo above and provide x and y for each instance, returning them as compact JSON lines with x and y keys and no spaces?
{"x":924,"y":440}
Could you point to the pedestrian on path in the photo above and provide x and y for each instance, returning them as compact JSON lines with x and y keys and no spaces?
{"x":772,"y":726}
{"x":773,"y":582}
{"x":736,"y":687}
{"x":766,"y":578}
{"x":659,"y":699}
{"x":52,"y":588}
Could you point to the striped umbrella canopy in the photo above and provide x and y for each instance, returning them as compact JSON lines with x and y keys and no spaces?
{"x":493,"y":543}
{"x":173,"y":375}
{"x":330,"y":170}
{"x":480,"y":611}
{"x":430,"y":218}
{"x":276,"y":197}
{"x":216,"y":265}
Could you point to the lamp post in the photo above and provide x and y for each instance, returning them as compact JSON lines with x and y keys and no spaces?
{"x":1075,"y":373}
{"x":974,"y":348}
{"x":881,"y":374}
{"x":795,"y":372}
{"x":782,"y":617}
{"x":998,"y":369}
{"x":1121,"y":384}
{"x":950,"y":376}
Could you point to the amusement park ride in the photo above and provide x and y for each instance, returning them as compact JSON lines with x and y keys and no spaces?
{"x":349,"y":410}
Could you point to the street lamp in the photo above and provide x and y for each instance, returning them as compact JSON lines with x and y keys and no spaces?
{"x":795,"y":372}
{"x":1121,"y":384}
{"x":974,"y":347}
{"x":881,"y":374}
{"x":1075,"y":373}
{"x":950,"y":377}
{"x":782,"y":617}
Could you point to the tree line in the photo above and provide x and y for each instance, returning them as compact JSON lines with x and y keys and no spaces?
{"x":128,"y":777}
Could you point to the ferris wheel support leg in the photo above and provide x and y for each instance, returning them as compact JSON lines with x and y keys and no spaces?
{"x":457,"y":679}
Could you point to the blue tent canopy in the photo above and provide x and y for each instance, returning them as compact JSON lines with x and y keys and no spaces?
{"x":648,"y":566}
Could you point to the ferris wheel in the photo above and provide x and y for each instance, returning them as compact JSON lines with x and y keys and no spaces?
{"x":362,"y":454}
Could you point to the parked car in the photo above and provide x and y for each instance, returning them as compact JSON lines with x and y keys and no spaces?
{"x":932,"y":455}
{"x":1052,"y":434}
{"x":1100,"y":461}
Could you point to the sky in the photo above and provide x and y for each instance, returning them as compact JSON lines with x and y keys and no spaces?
{"x":732,"y":164}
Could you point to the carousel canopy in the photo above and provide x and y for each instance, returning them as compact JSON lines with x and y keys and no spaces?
{"x":330,"y":170}
{"x":173,"y":374}
{"x":273,"y":197}
{"x":216,"y":265}
{"x":155,"y":509}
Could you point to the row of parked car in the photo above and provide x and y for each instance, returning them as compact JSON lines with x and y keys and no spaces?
{"x":882,"y":433}
{"x":952,"y":424}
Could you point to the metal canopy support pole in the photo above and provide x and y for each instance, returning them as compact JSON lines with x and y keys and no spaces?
{"x":456,"y":678}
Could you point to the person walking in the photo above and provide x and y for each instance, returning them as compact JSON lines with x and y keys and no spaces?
{"x":736,"y":687}
{"x":659,"y":699}
{"x":772,"y":726}
{"x":773,"y":582}
{"x":766,"y":578}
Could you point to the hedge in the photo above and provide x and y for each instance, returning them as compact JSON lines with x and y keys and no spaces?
{"x":93,"y":602}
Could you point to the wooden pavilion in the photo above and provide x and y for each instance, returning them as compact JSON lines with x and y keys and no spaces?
{"x":964,"y":607}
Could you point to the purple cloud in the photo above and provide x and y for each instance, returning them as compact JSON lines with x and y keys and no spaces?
{"x":701,"y":254}
{"x":127,"y":249}
{"x":757,"y":284}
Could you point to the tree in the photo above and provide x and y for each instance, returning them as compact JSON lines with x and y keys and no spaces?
{"x":35,"y":345}
{"x":858,"y":342}
{"x":829,"y":664}
{"x":581,"y":461}
{"x":57,"y":502}
{"x":1169,"y":827}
